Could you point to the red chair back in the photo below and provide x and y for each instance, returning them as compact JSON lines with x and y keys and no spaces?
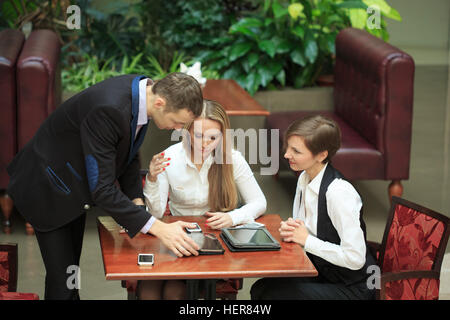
{"x":8,"y":267}
{"x":415,"y":239}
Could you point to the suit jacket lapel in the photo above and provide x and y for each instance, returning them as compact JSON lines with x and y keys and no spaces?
{"x":134,"y":118}
{"x":139,"y":139}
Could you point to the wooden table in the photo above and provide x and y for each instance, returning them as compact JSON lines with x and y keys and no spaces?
{"x":120,"y":253}
{"x":233,"y":98}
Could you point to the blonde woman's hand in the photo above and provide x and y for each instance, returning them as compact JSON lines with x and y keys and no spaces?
{"x":218,"y":220}
{"x":157,"y":165}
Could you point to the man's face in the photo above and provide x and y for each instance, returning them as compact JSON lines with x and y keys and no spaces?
{"x":172,"y":119}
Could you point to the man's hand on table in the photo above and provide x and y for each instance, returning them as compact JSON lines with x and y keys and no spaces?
{"x":174,"y":237}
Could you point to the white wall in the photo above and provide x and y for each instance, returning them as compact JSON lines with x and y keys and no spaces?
{"x":424,"y":31}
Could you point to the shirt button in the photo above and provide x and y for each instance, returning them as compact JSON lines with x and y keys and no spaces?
{"x":87,"y":207}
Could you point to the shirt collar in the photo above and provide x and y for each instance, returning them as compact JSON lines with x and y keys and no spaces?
{"x":206,"y":164}
{"x":142,"y":115}
{"x":314,"y":185}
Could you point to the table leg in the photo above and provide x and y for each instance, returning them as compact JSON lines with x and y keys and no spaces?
{"x":210,"y":289}
{"x":192,"y":289}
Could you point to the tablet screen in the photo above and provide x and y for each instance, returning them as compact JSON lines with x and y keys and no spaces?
{"x":206,"y":242}
{"x":244,"y":236}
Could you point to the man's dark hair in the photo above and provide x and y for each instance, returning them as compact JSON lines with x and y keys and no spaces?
{"x":180,"y":91}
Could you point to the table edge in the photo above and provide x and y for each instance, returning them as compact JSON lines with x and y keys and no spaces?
{"x":211,"y":275}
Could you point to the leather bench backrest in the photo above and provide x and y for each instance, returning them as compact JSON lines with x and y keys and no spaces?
{"x":38,"y":82}
{"x":11,"y":42}
{"x":361,"y":70}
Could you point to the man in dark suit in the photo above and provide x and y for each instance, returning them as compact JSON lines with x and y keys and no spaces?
{"x":86,"y":154}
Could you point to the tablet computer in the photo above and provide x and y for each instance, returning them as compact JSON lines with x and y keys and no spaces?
{"x":249,"y":239}
{"x":208,"y":243}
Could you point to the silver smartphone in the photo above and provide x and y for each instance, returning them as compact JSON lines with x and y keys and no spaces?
{"x":196,"y":229}
{"x":146,"y":259}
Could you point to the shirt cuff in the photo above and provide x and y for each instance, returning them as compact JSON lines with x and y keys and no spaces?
{"x":148,"y":225}
{"x":234,"y":217}
{"x":312,"y":245}
{"x":149,"y":182}
{"x":239,"y":216}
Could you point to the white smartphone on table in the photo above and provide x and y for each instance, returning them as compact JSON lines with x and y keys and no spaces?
{"x":146,"y":259}
{"x":196,"y":229}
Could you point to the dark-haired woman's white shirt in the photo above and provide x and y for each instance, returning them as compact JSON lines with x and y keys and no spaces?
{"x":187,"y":188}
{"x":344,"y":205}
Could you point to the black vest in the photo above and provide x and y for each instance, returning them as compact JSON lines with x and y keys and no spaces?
{"x":326,"y":232}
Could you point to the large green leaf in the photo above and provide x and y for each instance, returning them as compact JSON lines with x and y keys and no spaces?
{"x":275,"y":66}
{"x":239,"y":49}
{"x":355,"y":4}
{"x":219,"y":64}
{"x":252,"y":59}
{"x":265,"y":74}
{"x":358,"y":18}
{"x":268,"y":71}
{"x":266,"y":5}
{"x":304,"y":77}
{"x":253,"y":82}
{"x":380,"y":4}
{"x":327,"y":43}
{"x":281,"y":77}
{"x":247,"y":26}
{"x":267,"y":46}
{"x":298,"y":31}
{"x":207,"y":55}
{"x":245,"y":65}
{"x":251,"y":32}
{"x":233,"y":72}
{"x":281,"y":45}
{"x":298,"y":57}
{"x":311,"y":48}
{"x":247,"y":22}
{"x":268,"y":22}
{"x":278,"y":10}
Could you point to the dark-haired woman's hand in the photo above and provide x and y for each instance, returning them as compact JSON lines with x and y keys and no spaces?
{"x":294,"y":231}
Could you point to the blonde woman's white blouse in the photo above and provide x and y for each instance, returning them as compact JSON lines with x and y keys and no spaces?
{"x":187,"y":188}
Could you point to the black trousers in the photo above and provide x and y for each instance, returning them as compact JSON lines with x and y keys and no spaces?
{"x":308,"y":289}
{"x":61,"y":251}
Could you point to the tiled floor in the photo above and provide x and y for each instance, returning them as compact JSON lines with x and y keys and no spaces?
{"x":429,"y":185}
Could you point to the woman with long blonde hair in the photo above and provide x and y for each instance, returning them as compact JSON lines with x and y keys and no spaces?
{"x":204,"y":175}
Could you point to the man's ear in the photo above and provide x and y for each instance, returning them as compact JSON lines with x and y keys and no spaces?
{"x":160,"y":102}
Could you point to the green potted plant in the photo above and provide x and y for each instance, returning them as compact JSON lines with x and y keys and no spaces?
{"x":288,"y":43}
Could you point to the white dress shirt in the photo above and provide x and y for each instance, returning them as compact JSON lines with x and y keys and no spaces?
{"x":142,"y":113}
{"x":343,"y":204}
{"x":189,"y":187}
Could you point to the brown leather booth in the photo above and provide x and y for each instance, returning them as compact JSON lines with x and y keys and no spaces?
{"x":30,"y":89}
{"x":373,"y":101}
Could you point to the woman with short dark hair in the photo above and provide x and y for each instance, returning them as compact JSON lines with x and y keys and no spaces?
{"x":327,"y":220}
